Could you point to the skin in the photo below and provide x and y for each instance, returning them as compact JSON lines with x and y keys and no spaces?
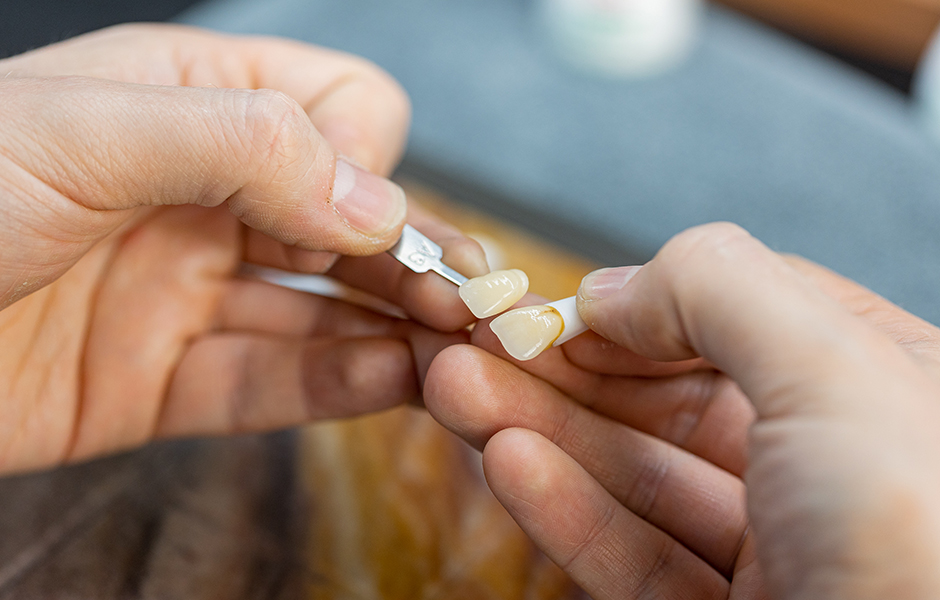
{"x":741,"y":425}
{"x":131,"y":199}
{"x":751,"y":427}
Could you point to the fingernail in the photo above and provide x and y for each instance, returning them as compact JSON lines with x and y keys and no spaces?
{"x":605,"y":282}
{"x":369,"y":203}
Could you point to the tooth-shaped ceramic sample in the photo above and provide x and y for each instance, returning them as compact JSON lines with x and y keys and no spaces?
{"x":527,"y":332}
{"x":493,"y":293}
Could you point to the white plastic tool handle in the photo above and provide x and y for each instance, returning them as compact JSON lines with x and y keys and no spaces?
{"x":574,"y":325}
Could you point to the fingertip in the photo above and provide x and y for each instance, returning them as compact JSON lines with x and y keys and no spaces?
{"x":466,"y":255}
{"x":442,"y":308}
{"x":469,"y":392}
{"x":603,"y":301}
{"x":535,"y":480}
{"x":444,"y":385}
{"x":427,"y":344}
{"x":511,"y":460}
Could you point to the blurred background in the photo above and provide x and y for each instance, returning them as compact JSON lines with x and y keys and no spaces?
{"x":564,"y":134}
{"x":605,"y":126}
{"x":886,"y":38}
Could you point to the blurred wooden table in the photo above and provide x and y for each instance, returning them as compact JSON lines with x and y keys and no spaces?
{"x":389,"y":506}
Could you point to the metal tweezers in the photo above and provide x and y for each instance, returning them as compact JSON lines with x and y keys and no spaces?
{"x":418,"y":253}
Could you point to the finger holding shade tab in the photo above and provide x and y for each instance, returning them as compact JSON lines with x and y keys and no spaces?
{"x":524,"y":332}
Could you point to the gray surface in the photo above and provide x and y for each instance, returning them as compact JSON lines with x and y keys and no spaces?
{"x":810,"y":156}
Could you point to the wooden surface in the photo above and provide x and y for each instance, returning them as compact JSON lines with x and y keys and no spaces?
{"x":389,"y":506}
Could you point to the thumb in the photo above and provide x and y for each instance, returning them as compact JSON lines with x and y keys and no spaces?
{"x":716,"y":292}
{"x":79,"y":153}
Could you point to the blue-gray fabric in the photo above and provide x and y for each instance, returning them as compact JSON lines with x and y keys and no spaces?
{"x":809,"y":155}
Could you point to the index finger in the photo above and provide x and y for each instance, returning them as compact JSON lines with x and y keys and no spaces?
{"x":360,"y":109}
{"x":426,"y":297}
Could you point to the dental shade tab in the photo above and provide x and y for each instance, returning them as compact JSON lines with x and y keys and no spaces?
{"x":495,"y":292}
{"x":420,"y":254}
{"x":527,"y":332}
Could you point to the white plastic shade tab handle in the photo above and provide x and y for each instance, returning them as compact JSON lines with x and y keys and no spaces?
{"x":574,"y":324}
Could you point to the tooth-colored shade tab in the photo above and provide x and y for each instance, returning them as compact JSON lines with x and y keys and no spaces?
{"x":493,"y":293}
{"x":527,"y":332}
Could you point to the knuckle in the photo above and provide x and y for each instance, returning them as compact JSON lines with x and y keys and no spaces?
{"x":693,"y":397}
{"x":649,"y":582}
{"x":565,"y":432}
{"x":274,"y":128}
{"x":646,"y":489}
{"x":592,"y":542}
{"x":710,"y":241}
{"x":698,"y":249}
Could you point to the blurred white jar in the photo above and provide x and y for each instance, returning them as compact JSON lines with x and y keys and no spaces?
{"x":622,"y":38}
{"x":927,"y":89}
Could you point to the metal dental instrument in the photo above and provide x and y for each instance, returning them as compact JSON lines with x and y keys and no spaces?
{"x":418,"y":253}
{"x":413,"y":250}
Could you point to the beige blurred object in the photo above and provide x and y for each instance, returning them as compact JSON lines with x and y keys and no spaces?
{"x":401,"y":512}
{"x":891,"y":32}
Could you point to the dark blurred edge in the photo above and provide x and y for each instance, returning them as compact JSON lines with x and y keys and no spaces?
{"x":29,"y":24}
{"x":561,"y":232}
{"x":893,"y":76}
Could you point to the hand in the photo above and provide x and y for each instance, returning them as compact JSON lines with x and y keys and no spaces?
{"x":129,"y":201}
{"x":755,"y":427}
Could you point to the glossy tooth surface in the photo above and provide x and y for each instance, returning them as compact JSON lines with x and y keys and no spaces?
{"x":493,"y":293}
{"x":527,"y":332}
